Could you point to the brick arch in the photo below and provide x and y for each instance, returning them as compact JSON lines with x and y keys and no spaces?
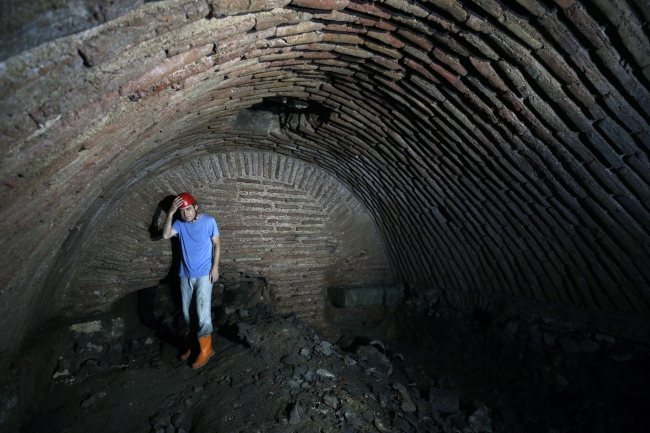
{"x":502,"y":147}
{"x":280,"y":219}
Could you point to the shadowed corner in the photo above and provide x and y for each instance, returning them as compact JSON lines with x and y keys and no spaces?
{"x":159,"y":307}
{"x":155,"y":228}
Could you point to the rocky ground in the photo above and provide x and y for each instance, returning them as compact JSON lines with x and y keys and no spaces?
{"x":536,"y":372}
{"x":270,"y":374}
{"x":466,"y":372}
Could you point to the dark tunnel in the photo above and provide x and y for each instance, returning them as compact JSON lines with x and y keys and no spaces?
{"x":450,"y":196}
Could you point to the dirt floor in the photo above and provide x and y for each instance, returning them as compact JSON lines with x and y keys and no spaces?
{"x":269,"y":375}
{"x":274,"y":374}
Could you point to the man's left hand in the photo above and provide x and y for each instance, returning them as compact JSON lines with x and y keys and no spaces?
{"x":214,"y":275}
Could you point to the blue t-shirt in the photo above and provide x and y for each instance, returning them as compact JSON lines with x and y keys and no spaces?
{"x":196,"y":245}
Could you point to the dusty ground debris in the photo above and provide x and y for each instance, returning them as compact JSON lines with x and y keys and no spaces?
{"x":271,"y":374}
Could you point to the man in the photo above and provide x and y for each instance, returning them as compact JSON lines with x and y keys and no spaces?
{"x":201,"y":249}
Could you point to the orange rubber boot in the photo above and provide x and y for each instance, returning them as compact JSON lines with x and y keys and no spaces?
{"x":206,"y":351}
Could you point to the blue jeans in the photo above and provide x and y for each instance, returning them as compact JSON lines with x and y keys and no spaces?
{"x":201,"y":288}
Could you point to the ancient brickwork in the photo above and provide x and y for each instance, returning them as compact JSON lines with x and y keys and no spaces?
{"x":280,"y":219}
{"x":501,"y":147}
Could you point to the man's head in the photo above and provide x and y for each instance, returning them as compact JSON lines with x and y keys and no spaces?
{"x":188,"y":209}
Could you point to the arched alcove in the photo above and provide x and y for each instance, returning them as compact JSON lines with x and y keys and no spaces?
{"x":281,"y":219}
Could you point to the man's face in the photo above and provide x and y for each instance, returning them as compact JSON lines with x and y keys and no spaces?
{"x":188,"y":213}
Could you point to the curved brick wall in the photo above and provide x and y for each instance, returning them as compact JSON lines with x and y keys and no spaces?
{"x":280,"y":219}
{"x":501,"y":148}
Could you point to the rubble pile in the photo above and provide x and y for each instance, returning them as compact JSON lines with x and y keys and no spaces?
{"x":536,"y":372}
{"x":271,"y":374}
{"x":468,"y":371}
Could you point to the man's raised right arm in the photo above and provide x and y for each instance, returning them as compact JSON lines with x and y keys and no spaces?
{"x":168,"y":231}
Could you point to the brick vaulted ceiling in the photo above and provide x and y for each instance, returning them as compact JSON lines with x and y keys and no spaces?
{"x":501,"y":147}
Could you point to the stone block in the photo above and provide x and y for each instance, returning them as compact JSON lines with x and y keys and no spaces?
{"x":257,"y":121}
{"x":409,"y":8}
{"x":343,"y":39}
{"x":417,"y":39}
{"x":449,"y":60}
{"x":369,"y":8}
{"x":382,"y":49}
{"x":393,"y":295}
{"x":346,"y":297}
{"x":415,"y":52}
{"x":243,"y":294}
{"x":386,"y":38}
{"x":444,"y":400}
{"x":305,"y":38}
{"x":296,"y":29}
{"x":335,"y":16}
{"x":589,"y":346}
{"x":230,"y":8}
{"x":321,"y":4}
{"x":568,"y":344}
